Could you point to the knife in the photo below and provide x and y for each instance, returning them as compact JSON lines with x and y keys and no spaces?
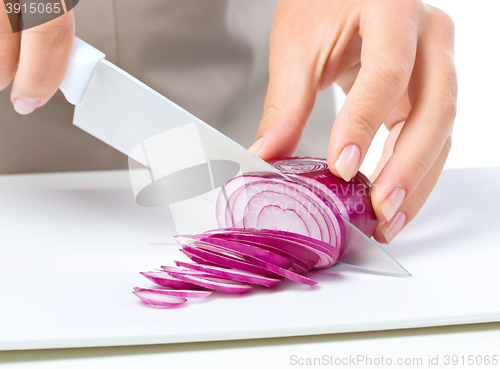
{"x":126,"y":114}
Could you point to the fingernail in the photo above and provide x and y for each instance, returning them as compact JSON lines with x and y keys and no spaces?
{"x":25,"y":106}
{"x":254,"y":149}
{"x":392,"y":203}
{"x":392,"y":228}
{"x":348,"y":161}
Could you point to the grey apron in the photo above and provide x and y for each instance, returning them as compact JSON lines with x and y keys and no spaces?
{"x":208,"y":56}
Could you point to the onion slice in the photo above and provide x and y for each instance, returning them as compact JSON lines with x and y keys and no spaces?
{"x":257,"y":263}
{"x":166,"y":280}
{"x":179,"y":293}
{"x":214,"y":283}
{"x":241,"y":248}
{"x":228,"y":261}
{"x":327,"y":254}
{"x":233,"y":274}
{"x":159,"y":300}
{"x":299,"y":254}
{"x":198,"y":259}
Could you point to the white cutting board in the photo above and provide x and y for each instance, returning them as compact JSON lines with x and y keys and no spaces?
{"x":69,"y":260}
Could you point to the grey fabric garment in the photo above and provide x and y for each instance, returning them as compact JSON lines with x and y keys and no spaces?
{"x":208,"y":56}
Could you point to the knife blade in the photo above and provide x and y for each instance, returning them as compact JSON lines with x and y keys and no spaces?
{"x":126,"y":114}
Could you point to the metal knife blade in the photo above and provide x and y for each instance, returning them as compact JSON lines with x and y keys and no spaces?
{"x":363,"y":252}
{"x":124,"y":113}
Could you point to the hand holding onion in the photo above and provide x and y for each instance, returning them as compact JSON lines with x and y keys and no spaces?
{"x":394,"y":59}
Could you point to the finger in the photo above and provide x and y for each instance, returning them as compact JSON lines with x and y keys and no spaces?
{"x":45,"y":51}
{"x":387,"y":57}
{"x":388,"y":149}
{"x":433,"y":91}
{"x":347,"y":79}
{"x":292,"y":87}
{"x":386,"y":231}
{"x":9,"y":49}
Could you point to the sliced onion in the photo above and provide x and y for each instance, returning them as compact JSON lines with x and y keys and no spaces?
{"x":198,"y":259}
{"x":179,"y":293}
{"x":166,"y":280}
{"x":217,"y":284}
{"x":233,"y":263}
{"x":228,"y":261}
{"x":302,"y":258}
{"x":159,"y":300}
{"x":271,"y":228}
{"x":166,"y":269}
{"x":244,"y":249}
{"x":327,"y":254}
{"x":233,"y":274}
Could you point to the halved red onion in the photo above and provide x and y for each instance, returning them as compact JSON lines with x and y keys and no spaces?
{"x":303,"y":213}
{"x":166,"y":280}
{"x":159,"y":300}
{"x":233,"y":274}
{"x":274,"y":203}
{"x":179,"y":293}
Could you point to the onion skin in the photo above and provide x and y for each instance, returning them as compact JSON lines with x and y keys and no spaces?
{"x":355,"y":194}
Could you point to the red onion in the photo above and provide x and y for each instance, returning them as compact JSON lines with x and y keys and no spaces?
{"x":166,"y":280}
{"x":233,"y":274}
{"x":351,"y":198}
{"x":179,"y":293}
{"x":159,"y":300}
{"x":246,"y":251}
{"x":214,"y":283}
{"x":271,"y":228}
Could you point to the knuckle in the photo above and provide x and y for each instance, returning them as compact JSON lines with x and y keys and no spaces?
{"x":447,"y":145}
{"x":414,"y":6}
{"x":443,"y":20}
{"x":272,"y":112}
{"x":58,"y":29}
{"x":418,"y":199}
{"x":363,"y":122}
{"x":394,"y":71}
{"x":449,"y":107}
{"x":418,"y":169}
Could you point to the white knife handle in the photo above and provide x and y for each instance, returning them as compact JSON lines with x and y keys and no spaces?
{"x":81,"y":65}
